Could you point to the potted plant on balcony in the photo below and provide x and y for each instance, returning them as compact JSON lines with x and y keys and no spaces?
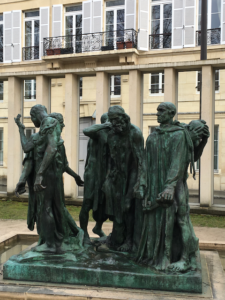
{"x":50,"y":51}
{"x":129,"y":44}
{"x":57,"y":51}
{"x":120,"y":45}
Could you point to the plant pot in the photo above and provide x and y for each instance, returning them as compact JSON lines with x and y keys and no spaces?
{"x":67,"y":50}
{"x":50,"y":52}
{"x":57,"y":51}
{"x":107,"y":48}
{"x":129,"y":45}
{"x":120,"y":45}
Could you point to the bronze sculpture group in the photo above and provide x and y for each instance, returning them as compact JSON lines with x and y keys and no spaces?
{"x":142,"y":190}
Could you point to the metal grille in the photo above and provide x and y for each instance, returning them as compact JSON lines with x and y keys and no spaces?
{"x":160,"y":41}
{"x":213,"y":36}
{"x":101,"y":41}
{"x":31,"y":53}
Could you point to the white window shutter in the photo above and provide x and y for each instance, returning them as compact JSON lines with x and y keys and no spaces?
{"x":189,"y":23}
{"x":7,"y":39}
{"x":87,"y":17}
{"x":177,"y":24}
{"x":97,"y":16}
{"x":223,"y":22}
{"x":130,"y":14}
{"x":57,"y":20}
{"x":16,"y":35}
{"x":44,"y":27}
{"x":143,"y":25}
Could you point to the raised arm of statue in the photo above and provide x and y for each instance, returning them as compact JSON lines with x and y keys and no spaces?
{"x":92,"y":131}
{"x":27,"y":145}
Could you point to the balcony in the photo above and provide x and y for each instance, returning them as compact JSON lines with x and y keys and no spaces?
{"x":213,"y":36}
{"x":160,"y":41}
{"x":100,"y":41}
{"x":31,"y":53}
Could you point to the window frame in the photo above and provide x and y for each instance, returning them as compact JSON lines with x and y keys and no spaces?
{"x":209,"y":14}
{"x":160,"y":84}
{"x":73,"y":14}
{"x":161,"y":19}
{"x":2,"y":23}
{"x":115,"y":8}
{"x":216,"y":91}
{"x":112,"y":85}
{"x":2,"y":82}
{"x":32,"y":19}
{"x":32,"y":91}
{"x":2,"y":162}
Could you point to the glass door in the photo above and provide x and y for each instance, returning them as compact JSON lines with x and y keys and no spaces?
{"x":32,"y":35}
{"x":115,"y":27}
{"x":73,"y":30}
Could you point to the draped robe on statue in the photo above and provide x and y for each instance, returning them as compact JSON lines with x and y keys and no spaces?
{"x":168,"y":155}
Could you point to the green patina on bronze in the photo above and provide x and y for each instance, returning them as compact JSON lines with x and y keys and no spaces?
{"x":143,"y":191}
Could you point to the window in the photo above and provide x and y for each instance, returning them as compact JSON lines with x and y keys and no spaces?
{"x":157,"y":83}
{"x":81,"y":86}
{"x":216,"y":147}
{"x":217,"y":81}
{"x":115,"y":3}
{"x":115,"y":23}
{"x":1,"y":90}
{"x":30,"y":90}
{"x":115,"y":85}
{"x":73,"y":29}
{"x":1,"y":146}
{"x":29,"y":132}
{"x":213,"y":20}
{"x":1,"y":37}
{"x":161,"y":26}
{"x":31,"y":50}
{"x":151,"y":129}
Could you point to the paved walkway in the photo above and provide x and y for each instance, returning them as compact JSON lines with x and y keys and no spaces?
{"x":9,"y":228}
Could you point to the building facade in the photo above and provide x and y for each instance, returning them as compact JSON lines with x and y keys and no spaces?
{"x":80,"y":57}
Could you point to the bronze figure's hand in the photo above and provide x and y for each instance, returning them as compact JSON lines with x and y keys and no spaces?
{"x":37,"y":185}
{"x":79,"y":181}
{"x":165,"y":198}
{"x":17,"y":121}
{"x":20,"y":188}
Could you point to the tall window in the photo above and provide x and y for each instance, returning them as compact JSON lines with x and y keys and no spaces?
{"x":216,"y":147}
{"x":157,"y":83}
{"x":115,"y":85}
{"x":1,"y":90}
{"x":29,"y":132}
{"x":31,"y":50}
{"x":1,"y":146}
{"x":115,"y":11}
{"x":81,"y":86}
{"x":30,"y":90}
{"x":73,"y":29}
{"x":217,"y":81}
{"x":161,"y":26}
{"x":1,"y":37}
{"x":213,"y":20}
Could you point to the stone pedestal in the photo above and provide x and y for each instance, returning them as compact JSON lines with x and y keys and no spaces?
{"x":88,"y":267}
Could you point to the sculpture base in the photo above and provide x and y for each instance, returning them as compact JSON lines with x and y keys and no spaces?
{"x":88,"y":267}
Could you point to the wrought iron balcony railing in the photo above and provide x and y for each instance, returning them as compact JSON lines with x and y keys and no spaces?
{"x":156,"y":90}
{"x":160,"y":41}
{"x":31,"y":53}
{"x":100,"y":41}
{"x":213,"y":36}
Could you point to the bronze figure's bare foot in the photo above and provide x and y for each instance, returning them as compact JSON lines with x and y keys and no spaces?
{"x":45,"y":248}
{"x":180,"y":266}
{"x":99,"y":232}
{"x":126,"y":247}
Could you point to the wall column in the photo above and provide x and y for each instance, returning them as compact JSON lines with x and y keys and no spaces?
{"x":15,"y":107}
{"x":102,"y":95}
{"x":135,"y":97}
{"x":71,"y":131}
{"x":207,"y":114}
{"x":171,"y":86}
{"x":43,"y":91}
